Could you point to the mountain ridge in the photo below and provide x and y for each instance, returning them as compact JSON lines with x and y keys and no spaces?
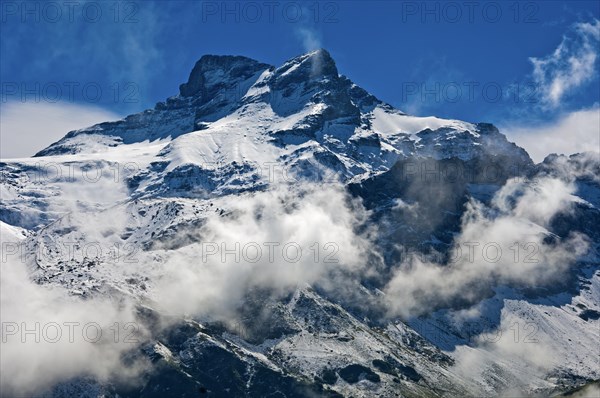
{"x":249,"y":154}
{"x":305,"y":102}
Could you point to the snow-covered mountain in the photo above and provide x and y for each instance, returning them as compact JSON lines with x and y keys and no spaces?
{"x":167,"y":220}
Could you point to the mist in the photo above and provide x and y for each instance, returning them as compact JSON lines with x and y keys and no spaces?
{"x":505,"y":243}
{"x":49,"y":336}
{"x":277,"y":240}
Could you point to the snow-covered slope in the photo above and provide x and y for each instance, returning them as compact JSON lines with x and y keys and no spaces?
{"x":252,"y":154}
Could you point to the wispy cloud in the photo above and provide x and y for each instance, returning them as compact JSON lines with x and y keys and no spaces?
{"x":520,"y":212}
{"x":303,"y":216}
{"x":310,"y":38}
{"x":570,"y":66}
{"x":122,"y":45}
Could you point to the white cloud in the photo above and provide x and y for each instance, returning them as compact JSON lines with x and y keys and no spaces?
{"x":310,"y":39}
{"x":485,"y":254}
{"x":578,"y":131}
{"x":26,"y":128}
{"x":570,"y":66}
{"x":42,"y":327}
{"x":311,"y":230}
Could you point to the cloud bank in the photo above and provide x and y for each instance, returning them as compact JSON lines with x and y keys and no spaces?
{"x":275,"y":240}
{"x":28,"y":127}
{"x":485,"y":254}
{"x":576,"y":132}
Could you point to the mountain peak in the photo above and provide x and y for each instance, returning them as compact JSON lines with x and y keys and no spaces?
{"x":304,"y":101}
{"x":210,"y":70}
{"x":313,"y":65}
{"x":322,"y":62}
{"x":319,"y":53}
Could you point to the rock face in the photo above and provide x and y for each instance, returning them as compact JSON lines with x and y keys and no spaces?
{"x":150,"y":186}
{"x":213,"y":73}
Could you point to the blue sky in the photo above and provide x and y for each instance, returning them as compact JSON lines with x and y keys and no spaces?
{"x":474,"y":61}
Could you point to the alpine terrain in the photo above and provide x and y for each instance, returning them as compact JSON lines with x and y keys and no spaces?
{"x":281,"y":232}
